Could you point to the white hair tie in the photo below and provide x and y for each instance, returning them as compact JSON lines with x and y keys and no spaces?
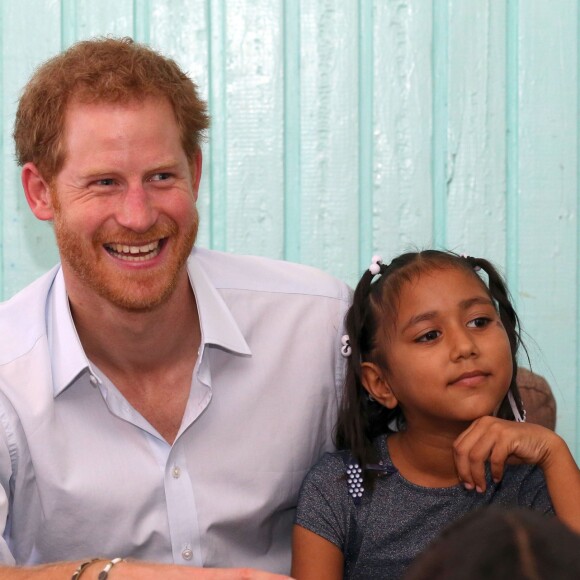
{"x":375,"y":266}
{"x":346,"y":349}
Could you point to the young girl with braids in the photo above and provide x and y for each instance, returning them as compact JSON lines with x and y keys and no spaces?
{"x":431,"y":424}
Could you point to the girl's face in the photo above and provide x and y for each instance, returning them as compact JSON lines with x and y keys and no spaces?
{"x":448,"y":354}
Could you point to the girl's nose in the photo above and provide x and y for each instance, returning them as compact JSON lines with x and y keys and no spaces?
{"x":463,"y":344}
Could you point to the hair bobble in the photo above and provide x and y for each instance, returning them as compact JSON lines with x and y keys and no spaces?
{"x":375,"y":266}
{"x":346,"y":349}
{"x":471,"y":260}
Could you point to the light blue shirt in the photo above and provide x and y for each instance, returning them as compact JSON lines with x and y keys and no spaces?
{"x":83,"y":474}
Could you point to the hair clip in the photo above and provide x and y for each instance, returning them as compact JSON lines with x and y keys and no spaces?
{"x":346,"y":349}
{"x":375,"y":266}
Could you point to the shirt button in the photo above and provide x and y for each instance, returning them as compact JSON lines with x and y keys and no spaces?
{"x":187,"y":554}
{"x":93,"y":379}
{"x":176,"y":472}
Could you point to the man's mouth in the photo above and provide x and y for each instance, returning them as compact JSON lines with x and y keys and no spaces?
{"x":133,"y":253}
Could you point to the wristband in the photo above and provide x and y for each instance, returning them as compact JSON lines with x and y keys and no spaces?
{"x":77,"y":573}
{"x":104,"y":574}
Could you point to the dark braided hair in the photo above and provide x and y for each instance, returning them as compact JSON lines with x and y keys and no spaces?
{"x":361,"y":419}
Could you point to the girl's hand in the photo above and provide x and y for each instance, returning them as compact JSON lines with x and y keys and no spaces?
{"x":499,"y":441}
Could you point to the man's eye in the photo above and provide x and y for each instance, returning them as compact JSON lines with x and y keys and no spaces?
{"x":105,"y":182}
{"x":161,"y":176}
{"x":429,"y":336}
{"x":480,"y":322}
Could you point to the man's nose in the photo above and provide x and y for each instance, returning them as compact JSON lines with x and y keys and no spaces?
{"x":137,"y":211}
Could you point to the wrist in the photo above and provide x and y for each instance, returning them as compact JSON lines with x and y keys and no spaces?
{"x":96,"y":569}
{"x":556,"y":451}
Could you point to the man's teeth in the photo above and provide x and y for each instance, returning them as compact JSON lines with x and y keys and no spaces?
{"x":134,"y":253}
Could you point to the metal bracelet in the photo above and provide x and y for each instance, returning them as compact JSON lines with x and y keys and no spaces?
{"x":104,"y":574}
{"x":81,"y":568}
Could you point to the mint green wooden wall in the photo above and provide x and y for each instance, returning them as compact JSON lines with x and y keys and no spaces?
{"x":347,"y":127}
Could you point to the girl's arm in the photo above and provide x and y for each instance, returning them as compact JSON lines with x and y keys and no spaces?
{"x":497,"y":441}
{"x":314,"y":558}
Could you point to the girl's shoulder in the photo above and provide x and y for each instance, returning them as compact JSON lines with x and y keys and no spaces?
{"x":330,"y":467}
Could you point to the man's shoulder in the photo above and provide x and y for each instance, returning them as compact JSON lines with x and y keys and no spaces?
{"x":23,"y":318}
{"x":255,"y":273}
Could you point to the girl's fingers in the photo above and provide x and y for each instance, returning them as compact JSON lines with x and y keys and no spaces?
{"x":479,"y":443}
{"x":497,"y":462}
{"x":470,"y":457}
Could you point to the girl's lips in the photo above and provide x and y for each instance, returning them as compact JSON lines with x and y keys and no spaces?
{"x":470,"y":379}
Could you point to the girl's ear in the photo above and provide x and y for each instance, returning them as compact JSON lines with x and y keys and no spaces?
{"x":37,"y":192}
{"x":377,"y":386}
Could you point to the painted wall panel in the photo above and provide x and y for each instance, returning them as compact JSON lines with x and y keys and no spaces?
{"x":254,"y":70}
{"x":476,"y":130}
{"x":27,"y":245}
{"x":329,"y":133}
{"x":347,"y":127}
{"x":402,"y":101}
{"x":548,"y":184}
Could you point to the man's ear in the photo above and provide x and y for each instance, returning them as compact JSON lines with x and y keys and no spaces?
{"x":195,"y":167}
{"x":37,"y":192}
{"x":377,"y":386}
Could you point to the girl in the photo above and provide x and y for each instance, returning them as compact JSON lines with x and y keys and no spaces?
{"x":431,"y":422}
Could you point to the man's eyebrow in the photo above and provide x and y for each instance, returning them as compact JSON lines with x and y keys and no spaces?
{"x":163,"y":165}
{"x":432,"y":314}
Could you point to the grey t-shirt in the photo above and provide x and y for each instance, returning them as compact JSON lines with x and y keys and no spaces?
{"x":398,"y":519}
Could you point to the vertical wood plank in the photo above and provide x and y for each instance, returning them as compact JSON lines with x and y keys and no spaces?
{"x":255,"y":220}
{"x":329,"y":136}
{"x":106,"y":17}
{"x":548,"y":225}
{"x":218,"y":133}
{"x":403,"y":109}
{"x":141,"y":21}
{"x":577,"y":361}
{"x":365,"y":123}
{"x":3,"y":149}
{"x":512,"y":146}
{"x":28,"y":245}
{"x":476,"y":130}
{"x":440,"y":120}
{"x":292,"y":190}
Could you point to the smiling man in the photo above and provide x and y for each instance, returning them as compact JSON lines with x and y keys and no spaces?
{"x":158,"y":402}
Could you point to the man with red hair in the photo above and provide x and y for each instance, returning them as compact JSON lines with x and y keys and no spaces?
{"x":158,"y":402}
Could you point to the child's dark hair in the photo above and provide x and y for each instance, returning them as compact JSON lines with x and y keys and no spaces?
{"x":362,"y":419}
{"x":502,"y":543}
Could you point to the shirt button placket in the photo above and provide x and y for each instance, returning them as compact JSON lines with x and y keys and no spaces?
{"x":181,"y":509}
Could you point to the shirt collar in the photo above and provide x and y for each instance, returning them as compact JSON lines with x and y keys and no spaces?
{"x":218,"y":326}
{"x":66,"y":352}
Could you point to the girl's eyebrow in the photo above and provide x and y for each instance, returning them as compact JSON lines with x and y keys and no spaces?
{"x":465,"y":304}
{"x":432,"y":314}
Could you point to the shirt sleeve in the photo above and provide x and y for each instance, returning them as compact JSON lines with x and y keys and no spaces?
{"x":324,"y":505}
{"x":6,"y":556}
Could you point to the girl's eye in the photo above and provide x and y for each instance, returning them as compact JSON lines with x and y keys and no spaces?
{"x":429,"y":336}
{"x":480,"y":322}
